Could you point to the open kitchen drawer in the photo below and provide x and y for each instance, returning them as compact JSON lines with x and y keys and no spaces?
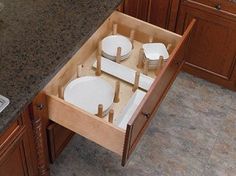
{"x":108,"y":135}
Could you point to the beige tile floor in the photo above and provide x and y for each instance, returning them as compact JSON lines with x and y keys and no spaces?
{"x":193,"y":134}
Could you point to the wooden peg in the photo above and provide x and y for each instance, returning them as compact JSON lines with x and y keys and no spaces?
{"x":161,"y":61}
{"x":61,"y":92}
{"x":169,"y":46}
{"x":146,"y":67}
{"x":117,"y":92}
{"x":111,"y":116}
{"x":79,"y":70}
{"x":150,"y":39}
{"x":100,"y":111}
{"x":131,"y":36}
{"x":114,"y":29}
{"x":118,"y":55}
{"x":99,"y":64}
{"x":136,"y":81}
{"x":141,"y":58}
{"x":160,"y":65}
{"x":99,"y":49}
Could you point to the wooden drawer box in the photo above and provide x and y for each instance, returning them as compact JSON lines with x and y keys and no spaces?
{"x":99,"y":130}
{"x":223,"y":5}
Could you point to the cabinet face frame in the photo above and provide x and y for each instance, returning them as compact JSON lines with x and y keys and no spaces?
{"x":120,"y":141}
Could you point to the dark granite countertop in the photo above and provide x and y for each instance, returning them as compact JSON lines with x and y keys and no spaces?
{"x":37,"y":38}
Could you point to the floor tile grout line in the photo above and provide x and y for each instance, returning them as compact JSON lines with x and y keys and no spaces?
{"x":217,"y":138}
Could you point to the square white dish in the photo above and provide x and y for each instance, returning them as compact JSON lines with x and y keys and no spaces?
{"x":153,"y":51}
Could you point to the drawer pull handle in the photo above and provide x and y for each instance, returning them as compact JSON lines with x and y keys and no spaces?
{"x":177,"y":63}
{"x":147,"y":115}
{"x":40,"y":106}
{"x":218,"y":7}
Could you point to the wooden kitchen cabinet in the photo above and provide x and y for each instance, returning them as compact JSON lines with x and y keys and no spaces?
{"x":17,"y":152}
{"x":162,"y":13}
{"x":137,"y":8}
{"x":212,"y":51}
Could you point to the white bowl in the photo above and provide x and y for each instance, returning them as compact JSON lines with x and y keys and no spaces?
{"x":113,"y":58}
{"x":111,"y":43}
{"x":153,"y":51}
{"x":88,"y":92}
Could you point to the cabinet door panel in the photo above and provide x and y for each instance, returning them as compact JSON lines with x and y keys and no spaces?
{"x":212,"y":47}
{"x":17,"y":152}
{"x":137,"y":8}
{"x":13,"y":160}
{"x":160,"y":12}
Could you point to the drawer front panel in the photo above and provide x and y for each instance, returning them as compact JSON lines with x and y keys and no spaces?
{"x":155,"y":95}
{"x":220,"y":5}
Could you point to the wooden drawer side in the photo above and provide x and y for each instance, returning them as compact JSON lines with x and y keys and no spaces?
{"x":85,"y":124}
{"x":147,"y":109}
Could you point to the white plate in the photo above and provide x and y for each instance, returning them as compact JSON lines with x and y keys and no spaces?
{"x":124,"y":73}
{"x":88,"y":92}
{"x":127,"y":113}
{"x":114,"y":58}
{"x":153,"y":51}
{"x":111,"y":43}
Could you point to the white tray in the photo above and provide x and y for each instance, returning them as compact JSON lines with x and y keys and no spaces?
{"x":123,"y":118}
{"x":124,"y":73}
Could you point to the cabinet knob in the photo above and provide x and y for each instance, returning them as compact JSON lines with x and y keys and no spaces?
{"x":177,"y":63}
{"x":147,"y":115}
{"x":218,"y":6}
{"x":40,"y":106}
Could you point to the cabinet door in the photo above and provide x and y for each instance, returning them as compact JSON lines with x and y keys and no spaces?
{"x":160,"y":12}
{"x":212,"y":50}
{"x":17,"y":156}
{"x":13,"y":161}
{"x":137,"y":8}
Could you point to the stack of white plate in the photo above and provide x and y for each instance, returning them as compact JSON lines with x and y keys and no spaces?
{"x":88,"y":92}
{"x":111,"y":43}
{"x":153,"y":51}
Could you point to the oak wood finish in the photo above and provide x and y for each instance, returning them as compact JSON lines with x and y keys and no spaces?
{"x":17,"y":152}
{"x":212,"y":52}
{"x":85,"y":124}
